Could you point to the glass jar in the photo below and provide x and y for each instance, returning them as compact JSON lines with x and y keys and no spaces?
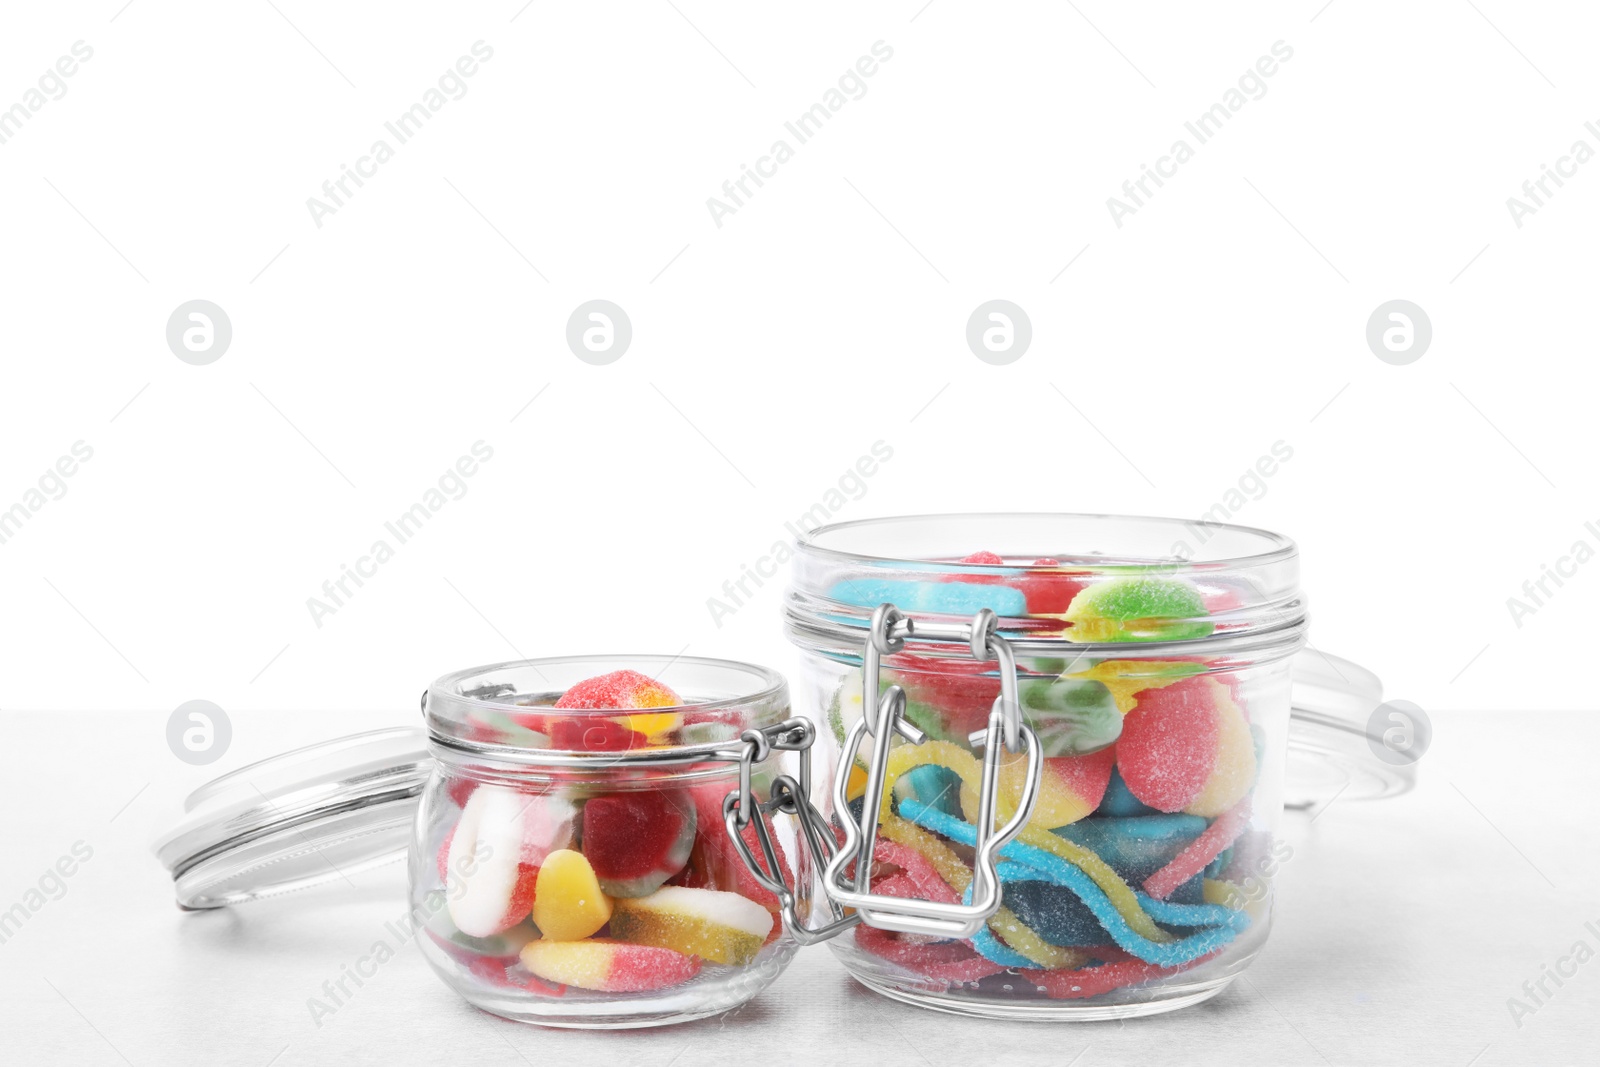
{"x":583,"y":867}
{"x":1057,"y":745}
{"x":630,"y":861}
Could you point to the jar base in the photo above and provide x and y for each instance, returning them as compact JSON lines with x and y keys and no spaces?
{"x":1052,"y":1011}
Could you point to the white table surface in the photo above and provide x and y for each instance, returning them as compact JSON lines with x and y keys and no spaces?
{"x":1402,"y":928}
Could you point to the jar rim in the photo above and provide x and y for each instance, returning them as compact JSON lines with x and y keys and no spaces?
{"x":1241,"y":582}
{"x":738,"y":696}
{"x":1280,"y":547}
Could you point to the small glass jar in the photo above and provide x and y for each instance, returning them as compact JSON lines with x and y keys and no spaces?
{"x":577,"y":867}
{"x":1057,"y":745}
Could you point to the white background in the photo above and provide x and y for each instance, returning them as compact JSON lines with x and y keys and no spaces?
{"x":828,"y":313}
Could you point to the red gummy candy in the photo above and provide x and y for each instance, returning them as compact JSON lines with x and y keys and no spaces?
{"x":619,"y":690}
{"x":1169,"y":743}
{"x":636,"y":841}
{"x":715,"y":862}
{"x":1049,"y":594}
{"x":594,"y":735}
{"x":949,"y":961}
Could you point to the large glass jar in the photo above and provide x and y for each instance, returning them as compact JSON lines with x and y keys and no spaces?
{"x":1144,"y":742}
{"x":574,"y":866}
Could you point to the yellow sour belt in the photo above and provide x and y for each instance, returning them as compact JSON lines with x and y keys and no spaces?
{"x":952,"y":870}
{"x":958,"y":876}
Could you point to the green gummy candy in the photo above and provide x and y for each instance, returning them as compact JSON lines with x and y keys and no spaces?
{"x":1169,"y":607}
{"x":1072,"y":716}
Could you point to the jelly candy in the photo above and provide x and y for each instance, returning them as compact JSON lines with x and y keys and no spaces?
{"x":1198,"y":855}
{"x":494,"y":855}
{"x":933,"y":598}
{"x":1145,"y":608}
{"x":1072,"y":716}
{"x":1028,"y":862}
{"x":569,"y":904}
{"x":1070,"y":787}
{"x":938,"y":786}
{"x":1050,"y":592}
{"x":594,"y":735}
{"x":952,"y":870}
{"x":619,"y":690}
{"x":635,"y":841}
{"x":1187,"y":747}
{"x":1137,"y":847}
{"x":1118,"y":801}
{"x":503,"y":946}
{"x":1127,"y":678}
{"x":608,"y":966}
{"x":716,"y":926}
{"x":714,"y":861}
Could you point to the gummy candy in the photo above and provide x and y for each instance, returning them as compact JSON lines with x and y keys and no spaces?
{"x":933,"y":598}
{"x":608,"y":966}
{"x":1072,"y":716}
{"x":1070,"y":787}
{"x":619,"y":690}
{"x":1194,"y":859}
{"x":1050,"y":592}
{"x":1127,"y":678}
{"x":716,"y":926}
{"x":569,"y":905}
{"x":1119,"y":801}
{"x":1028,"y":862}
{"x":1143,"y":608}
{"x":956,"y":873}
{"x":635,"y":841}
{"x":1187,"y":747}
{"x":714,"y":861}
{"x":494,"y":855}
{"x":503,"y":946}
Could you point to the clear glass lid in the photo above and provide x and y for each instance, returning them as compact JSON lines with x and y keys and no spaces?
{"x":310,"y":816}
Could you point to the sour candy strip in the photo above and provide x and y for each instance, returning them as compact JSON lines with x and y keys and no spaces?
{"x":1200,"y":852}
{"x":1168,"y":954}
{"x":963,"y":763}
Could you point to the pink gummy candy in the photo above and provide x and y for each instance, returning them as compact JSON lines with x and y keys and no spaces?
{"x":949,"y":961}
{"x":1168,"y":744}
{"x":624,"y":690}
{"x":1200,"y":852}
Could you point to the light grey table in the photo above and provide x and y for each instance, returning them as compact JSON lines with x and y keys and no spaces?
{"x":1403,"y":927}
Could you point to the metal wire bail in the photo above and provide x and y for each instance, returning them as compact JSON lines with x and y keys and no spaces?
{"x":883,"y":717}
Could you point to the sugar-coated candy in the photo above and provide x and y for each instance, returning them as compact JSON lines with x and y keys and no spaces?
{"x":1103,"y":978}
{"x":1139,"y":846}
{"x":569,"y":904}
{"x":608,"y":965}
{"x":1143,"y":608}
{"x":938,"y":786}
{"x":503,"y":946}
{"x":1072,"y":716}
{"x":714,"y":860}
{"x":1118,"y":801}
{"x":1194,"y":859}
{"x":952,"y":869}
{"x":949,"y":961}
{"x":1187,"y":747}
{"x":1127,"y":678}
{"x":494,"y":855}
{"x":1070,"y":787}
{"x":1050,"y":591}
{"x":934,"y":598}
{"x":637,"y":840}
{"x":1026,"y":861}
{"x":619,"y":690}
{"x":716,"y":926}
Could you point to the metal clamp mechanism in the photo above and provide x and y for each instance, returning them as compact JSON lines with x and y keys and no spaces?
{"x":740,"y":809}
{"x":883,"y":717}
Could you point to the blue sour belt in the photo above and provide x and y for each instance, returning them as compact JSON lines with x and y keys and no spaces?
{"x":1218,"y":925}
